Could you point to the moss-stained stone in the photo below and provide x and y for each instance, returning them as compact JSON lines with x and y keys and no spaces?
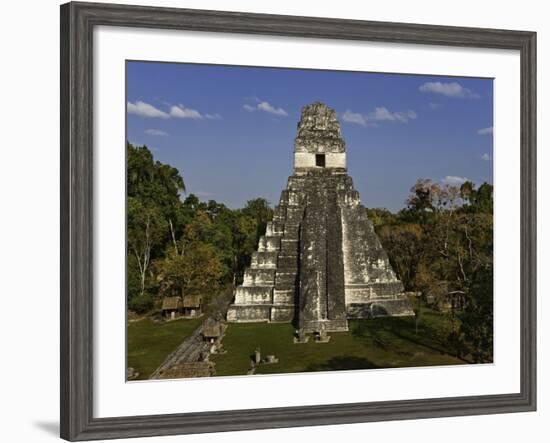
{"x":320,"y":262}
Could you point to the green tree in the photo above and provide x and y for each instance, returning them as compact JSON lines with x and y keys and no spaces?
{"x":146,"y":228}
{"x":478,"y":200}
{"x":260,"y":211}
{"x":477,"y":317}
{"x":153,"y":205}
{"x":155,"y":184}
{"x":405,"y":245}
{"x":244,"y":243}
{"x":196,"y":270}
{"x":152,"y":181}
{"x":441,"y":245}
{"x":381,"y":217}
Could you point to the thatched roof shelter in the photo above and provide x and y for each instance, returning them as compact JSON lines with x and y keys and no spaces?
{"x":171,"y":303}
{"x":212,"y":330}
{"x":192,"y":301}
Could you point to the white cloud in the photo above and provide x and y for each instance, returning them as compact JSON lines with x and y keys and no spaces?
{"x":354,"y":117}
{"x":485,"y":157}
{"x":452,"y":89}
{"x":181,"y":111}
{"x":266,"y":107}
{"x":404,"y":117}
{"x":453,"y":180}
{"x":485,"y":131}
{"x":381,"y":114}
{"x":156,"y":132}
{"x":145,"y":110}
{"x":378,"y":115}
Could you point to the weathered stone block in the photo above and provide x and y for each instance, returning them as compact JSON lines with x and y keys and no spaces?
{"x":289,"y":246}
{"x":288,"y":262}
{"x":269,"y":244}
{"x":273,"y":229}
{"x":249,"y":313}
{"x":264,"y":260}
{"x":282,"y":314}
{"x":259,"y":277}
{"x":253,"y":295}
{"x":320,"y":261}
{"x":291,"y":230}
{"x":284,"y":297}
{"x":283,"y":278}
{"x":397,"y":307}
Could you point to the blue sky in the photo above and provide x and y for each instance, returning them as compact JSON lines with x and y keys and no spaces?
{"x":230,"y":130}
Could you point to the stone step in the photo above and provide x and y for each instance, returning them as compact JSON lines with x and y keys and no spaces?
{"x":283,"y":279}
{"x":282,"y":314}
{"x":289,"y":246}
{"x":271,"y":243}
{"x":287,"y":262}
{"x":246,"y":295}
{"x":259,"y":277}
{"x":361,"y":293}
{"x":392,"y":288}
{"x":273,"y":229}
{"x":285,"y":286}
{"x":291,"y":236}
{"x":290,"y":198}
{"x":291,"y":231}
{"x":380,"y":308}
{"x":294,"y":214}
{"x":284,"y":297}
{"x":264,"y":260}
{"x":294,"y":198}
{"x":277,"y":216}
{"x":249,"y":314}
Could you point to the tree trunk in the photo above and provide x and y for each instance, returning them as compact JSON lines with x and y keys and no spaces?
{"x":173,"y":235}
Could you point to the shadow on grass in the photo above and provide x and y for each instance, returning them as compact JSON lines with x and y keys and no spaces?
{"x":361,"y":330}
{"x":403,"y":328}
{"x":342,"y":363}
{"x":438,"y":345}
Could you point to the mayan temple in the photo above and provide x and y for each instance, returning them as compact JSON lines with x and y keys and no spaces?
{"x":320,"y":262}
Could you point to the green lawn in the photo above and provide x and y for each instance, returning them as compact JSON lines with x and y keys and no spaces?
{"x":150,"y":342}
{"x":378,"y":343}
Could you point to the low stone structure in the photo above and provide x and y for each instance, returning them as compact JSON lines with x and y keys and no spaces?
{"x":320,"y":262}
{"x":191,"y":357}
{"x":189,"y":370}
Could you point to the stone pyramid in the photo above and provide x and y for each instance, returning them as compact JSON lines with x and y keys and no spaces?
{"x":320,"y":262}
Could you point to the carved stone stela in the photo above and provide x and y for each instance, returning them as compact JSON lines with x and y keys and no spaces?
{"x":320,"y":262}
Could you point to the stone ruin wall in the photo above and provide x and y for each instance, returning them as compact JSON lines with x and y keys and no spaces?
{"x":320,"y":260}
{"x":270,"y":290}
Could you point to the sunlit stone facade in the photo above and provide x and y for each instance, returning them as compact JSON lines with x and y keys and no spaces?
{"x":320,"y":262}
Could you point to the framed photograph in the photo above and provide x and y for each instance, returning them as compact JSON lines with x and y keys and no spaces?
{"x":273,"y":221}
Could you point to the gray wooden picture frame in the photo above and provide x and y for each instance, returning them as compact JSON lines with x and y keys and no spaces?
{"x":77,"y":23}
